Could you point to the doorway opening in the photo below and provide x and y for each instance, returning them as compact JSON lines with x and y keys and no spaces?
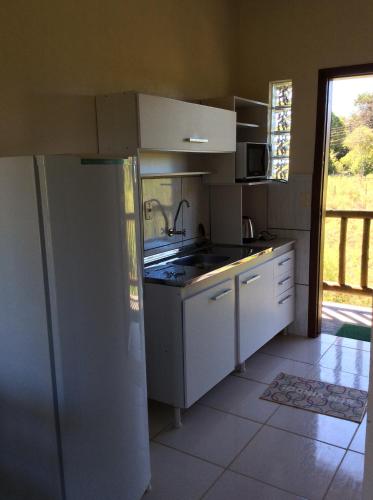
{"x":341,"y":277}
{"x":347,"y":285}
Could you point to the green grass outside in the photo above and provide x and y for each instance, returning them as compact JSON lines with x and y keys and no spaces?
{"x":347,"y":193}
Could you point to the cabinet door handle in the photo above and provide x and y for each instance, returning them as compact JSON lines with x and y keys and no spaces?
{"x":198,"y":140}
{"x":251,"y":280}
{"x":285,"y":299}
{"x":282,"y":282}
{"x":222,"y":294}
{"x":284,"y":261}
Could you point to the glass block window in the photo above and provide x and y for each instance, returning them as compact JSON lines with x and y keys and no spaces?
{"x":280,"y":128}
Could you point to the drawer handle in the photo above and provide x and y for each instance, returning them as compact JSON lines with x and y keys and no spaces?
{"x":282,"y":282}
{"x":251,"y":280}
{"x":285,"y":299}
{"x":199,"y":140}
{"x":222,"y":294}
{"x":284,"y":261}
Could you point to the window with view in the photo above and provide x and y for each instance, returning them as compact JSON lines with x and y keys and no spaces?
{"x":280,"y":128}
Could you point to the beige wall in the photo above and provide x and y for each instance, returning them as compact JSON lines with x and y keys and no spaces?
{"x":88,"y":47}
{"x":294,"y":39}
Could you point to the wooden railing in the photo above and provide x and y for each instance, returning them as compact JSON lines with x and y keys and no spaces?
{"x":341,"y":285}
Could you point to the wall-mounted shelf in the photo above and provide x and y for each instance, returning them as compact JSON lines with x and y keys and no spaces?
{"x":243,"y":124}
{"x":173,"y":174}
{"x":251,"y":126}
{"x":242,"y":102}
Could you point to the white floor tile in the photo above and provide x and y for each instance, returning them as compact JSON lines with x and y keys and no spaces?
{"x":352,"y":343}
{"x":265,"y":367}
{"x":358,"y":443}
{"x":177,"y":476}
{"x":294,"y":463}
{"x":232,"y":486}
{"x":325,"y":337}
{"x":240,"y":397}
{"x":210,"y":434}
{"x":348,"y":482}
{"x":297,"y":348}
{"x":347,"y":360}
{"x":160,"y":416}
{"x":338,"y":377}
{"x":331,"y":430}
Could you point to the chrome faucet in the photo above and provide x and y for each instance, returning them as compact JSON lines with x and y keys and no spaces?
{"x":172,"y":232}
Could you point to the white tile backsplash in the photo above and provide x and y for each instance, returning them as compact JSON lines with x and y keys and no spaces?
{"x":197,"y":193}
{"x":255,"y":205}
{"x":165,"y":194}
{"x":289,"y":205}
{"x":289,"y":216}
{"x":302,"y":252}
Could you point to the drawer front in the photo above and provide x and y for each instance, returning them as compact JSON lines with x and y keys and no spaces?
{"x":209,"y":339}
{"x":285,"y":309}
{"x":284,"y":282}
{"x":171,"y":125}
{"x":285,"y":263}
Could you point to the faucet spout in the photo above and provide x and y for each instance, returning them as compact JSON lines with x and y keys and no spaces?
{"x":173,"y":231}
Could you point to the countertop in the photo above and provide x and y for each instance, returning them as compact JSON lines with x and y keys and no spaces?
{"x":168,"y":272}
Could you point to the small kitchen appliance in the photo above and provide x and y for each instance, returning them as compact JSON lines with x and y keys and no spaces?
{"x":248,"y":233}
{"x":253,"y":161}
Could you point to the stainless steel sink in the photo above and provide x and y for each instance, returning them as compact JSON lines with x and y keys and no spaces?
{"x":201,"y":260}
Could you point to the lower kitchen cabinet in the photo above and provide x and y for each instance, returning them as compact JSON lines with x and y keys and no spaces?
{"x":209,"y":339}
{"x":255,"y":319}
{"x":196,"y":335}
{"x":191,"y":347}
{"x":265,"y":303}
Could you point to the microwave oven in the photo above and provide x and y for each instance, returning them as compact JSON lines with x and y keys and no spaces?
{"x":253,"y":161}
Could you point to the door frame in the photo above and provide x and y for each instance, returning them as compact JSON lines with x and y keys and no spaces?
{"x":318,"y":188}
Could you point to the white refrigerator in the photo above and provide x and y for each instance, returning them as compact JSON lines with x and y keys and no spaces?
{"x":72,"y":363}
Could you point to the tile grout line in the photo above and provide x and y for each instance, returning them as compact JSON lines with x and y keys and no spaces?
{"x":229,"y":464}
{"x":266,"y":423}
{"x":308,"y":437}
{"x":334,"y":475}
{"x":236,"y":414}
{"x":261,"y":426}
{"x":227,"y":468}
{"x":357,"y":430}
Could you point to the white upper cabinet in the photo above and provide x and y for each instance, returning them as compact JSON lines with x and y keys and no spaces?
{"x":128,"y":122}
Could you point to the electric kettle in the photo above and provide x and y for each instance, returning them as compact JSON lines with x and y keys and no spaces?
{"x":247,"y":228}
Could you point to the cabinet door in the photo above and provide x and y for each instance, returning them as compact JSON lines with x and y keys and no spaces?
{"x":168,"y":124}
{"x":255,"y":292}
{"x":209,"y":339}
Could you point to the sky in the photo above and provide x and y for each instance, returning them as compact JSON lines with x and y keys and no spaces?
{"x":345,"y":91}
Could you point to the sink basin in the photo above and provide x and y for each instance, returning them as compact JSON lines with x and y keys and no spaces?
{"x":201,"y":260}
